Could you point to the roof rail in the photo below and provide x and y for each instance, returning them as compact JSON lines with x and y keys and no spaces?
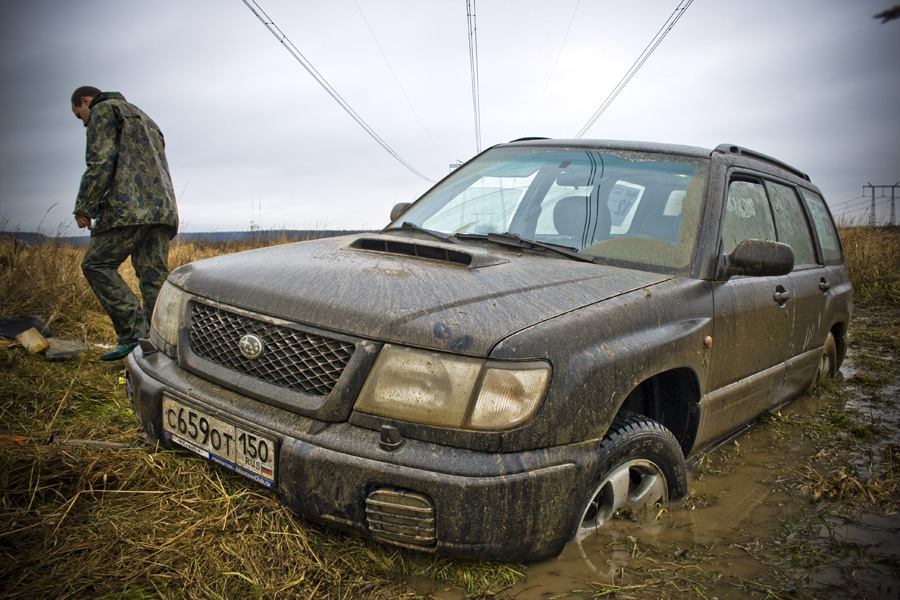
{"x":732,"y":149}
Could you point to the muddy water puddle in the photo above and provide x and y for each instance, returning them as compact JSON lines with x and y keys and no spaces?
{"x":752,"y":525}
{"x":731,"y":530}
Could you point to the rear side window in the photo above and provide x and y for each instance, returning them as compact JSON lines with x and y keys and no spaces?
{"x":828,"y":236}
{"x":790,"y":220}
{"x":747,"y":215}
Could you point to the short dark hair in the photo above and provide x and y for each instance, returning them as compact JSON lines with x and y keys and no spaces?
{"x":85,"y":90}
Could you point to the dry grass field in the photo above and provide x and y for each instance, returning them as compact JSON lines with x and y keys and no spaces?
{"x":88,"y":510}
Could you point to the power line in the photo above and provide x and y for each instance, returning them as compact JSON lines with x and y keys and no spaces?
{"x":846,"y":202}
{"x":893,"y":188}
{"x":880,"y":209}
{"x":660,"y":35}
{"x":553,"y":69}
{"x":473,"y":65}
{"x":387,"y":62}
{"x":871,"y":217}
{"x":862,"y":201}
{"x":292,"y":49}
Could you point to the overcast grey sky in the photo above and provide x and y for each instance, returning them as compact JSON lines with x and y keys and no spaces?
{"x":251,"y":136}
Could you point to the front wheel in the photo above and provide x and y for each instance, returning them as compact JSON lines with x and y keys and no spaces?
{"x":641,"y":464}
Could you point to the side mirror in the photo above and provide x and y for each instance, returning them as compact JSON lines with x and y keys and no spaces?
{"x":759,"y":258}
{"x":398,"y":209}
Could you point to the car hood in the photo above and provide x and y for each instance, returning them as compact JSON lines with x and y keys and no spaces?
{"x":462,"y":298}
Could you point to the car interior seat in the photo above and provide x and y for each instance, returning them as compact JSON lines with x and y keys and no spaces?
{"x":582,"y":218}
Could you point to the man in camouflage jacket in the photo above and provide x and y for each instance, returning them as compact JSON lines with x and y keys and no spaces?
{"x":127,"y":201}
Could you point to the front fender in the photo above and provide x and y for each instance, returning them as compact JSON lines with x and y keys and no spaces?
{"x":602,"y":352}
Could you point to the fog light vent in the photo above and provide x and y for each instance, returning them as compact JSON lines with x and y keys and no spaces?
{"x":401,"y":517}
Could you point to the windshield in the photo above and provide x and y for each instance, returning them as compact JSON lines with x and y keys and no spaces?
{"x":637,"y":209}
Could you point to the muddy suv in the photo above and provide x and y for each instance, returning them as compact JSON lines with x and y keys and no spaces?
{"x":540,"y":340}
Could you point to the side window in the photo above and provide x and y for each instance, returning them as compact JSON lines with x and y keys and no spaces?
{"x":828,"y":236}
{"x":747,"y":215}
{"x":790,"y":220}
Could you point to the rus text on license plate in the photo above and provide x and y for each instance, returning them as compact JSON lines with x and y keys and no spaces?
{"x":225,"y":443}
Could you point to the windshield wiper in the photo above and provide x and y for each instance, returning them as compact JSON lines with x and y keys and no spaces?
{"x":413,"y":227}
{"x":516,"y":241}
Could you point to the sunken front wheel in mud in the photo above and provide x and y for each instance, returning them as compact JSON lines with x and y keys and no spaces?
{"x":641,"y":465}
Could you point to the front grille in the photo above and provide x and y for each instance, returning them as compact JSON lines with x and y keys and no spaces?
{"x":291,"y":359}
{"x":401,"y":517}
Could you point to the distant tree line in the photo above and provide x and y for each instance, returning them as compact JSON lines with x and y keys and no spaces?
{"x":33,"y":238}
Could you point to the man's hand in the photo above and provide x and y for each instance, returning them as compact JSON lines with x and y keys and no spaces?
{"x":83,"y":222}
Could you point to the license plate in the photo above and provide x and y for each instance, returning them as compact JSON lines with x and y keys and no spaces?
{"x":241,"y":450}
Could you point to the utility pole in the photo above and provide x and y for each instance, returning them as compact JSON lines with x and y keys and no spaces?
{"x":893,"y":205}
{"x":893,"y":188}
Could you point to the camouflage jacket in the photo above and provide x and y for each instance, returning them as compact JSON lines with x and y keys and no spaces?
{"x":127,"y":178}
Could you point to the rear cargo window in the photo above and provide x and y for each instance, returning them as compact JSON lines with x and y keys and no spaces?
{"x":828,"y":236}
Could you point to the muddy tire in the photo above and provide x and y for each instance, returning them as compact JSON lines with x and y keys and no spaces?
{"x":828,"y":365}
{"x":641,"y":465}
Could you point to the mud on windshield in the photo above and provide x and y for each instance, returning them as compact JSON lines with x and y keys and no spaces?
{"x":635,"y":209}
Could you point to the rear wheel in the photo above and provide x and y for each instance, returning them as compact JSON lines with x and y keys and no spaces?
{"x":827,"y":362}
{"x":641,"y":465}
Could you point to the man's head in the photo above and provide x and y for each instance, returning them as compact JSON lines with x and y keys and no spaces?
{"x":81,"y":101}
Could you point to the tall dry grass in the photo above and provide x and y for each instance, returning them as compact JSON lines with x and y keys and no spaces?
{"x":140,"y":523}
{"x":45,"y":279}
{"x":78,"y":520}
{"x":873,"y":256}
{"x":89,"y":510}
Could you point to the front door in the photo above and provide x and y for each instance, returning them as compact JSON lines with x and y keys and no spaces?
{"x":754,"y":317}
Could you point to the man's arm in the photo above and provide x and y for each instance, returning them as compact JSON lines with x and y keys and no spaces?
{"x":100,"y":155}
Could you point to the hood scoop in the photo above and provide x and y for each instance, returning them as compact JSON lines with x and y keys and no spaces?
{"x":469,"y":258}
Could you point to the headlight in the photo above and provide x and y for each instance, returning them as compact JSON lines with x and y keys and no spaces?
{"x":167,"y":313}
{"x":447,"y":390}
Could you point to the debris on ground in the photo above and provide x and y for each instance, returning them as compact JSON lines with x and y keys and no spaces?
{"x":32,"y":334}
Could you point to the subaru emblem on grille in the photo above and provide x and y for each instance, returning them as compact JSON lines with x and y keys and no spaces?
{"x":251,"y":346}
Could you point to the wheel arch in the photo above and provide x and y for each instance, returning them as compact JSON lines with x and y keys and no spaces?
{"x":840,"y":332}
{"x":671,"y":398}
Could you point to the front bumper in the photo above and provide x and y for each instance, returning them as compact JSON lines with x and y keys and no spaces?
{"x":451,"y":501}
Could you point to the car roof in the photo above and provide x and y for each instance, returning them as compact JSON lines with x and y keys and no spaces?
{"x":637,"y":146}
{"x":614,"y":145}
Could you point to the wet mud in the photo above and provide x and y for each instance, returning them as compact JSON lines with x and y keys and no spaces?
{"x":749,"y":529}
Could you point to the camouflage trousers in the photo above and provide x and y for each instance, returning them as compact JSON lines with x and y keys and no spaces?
{"x":148,"y":246}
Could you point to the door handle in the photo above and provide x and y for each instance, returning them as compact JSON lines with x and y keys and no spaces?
{"x":824,"y":285}
{"x":782,"y":296}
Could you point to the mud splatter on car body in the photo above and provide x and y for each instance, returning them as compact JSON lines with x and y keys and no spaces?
{"x":540,"y":340}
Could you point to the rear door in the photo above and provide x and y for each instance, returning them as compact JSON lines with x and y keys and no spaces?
{"x":809,"y":285}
